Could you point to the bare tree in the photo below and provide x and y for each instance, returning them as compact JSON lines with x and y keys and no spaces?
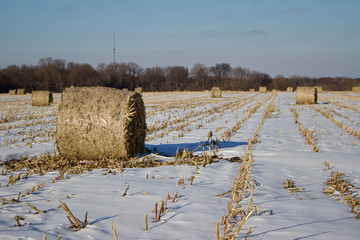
{"x":221,"y":72}
{"x":200,"y":73}
{"x":52,"y":74}
{"x":82,"y":75}
{"x":133,"y":70}
{"x":176,"y":78}
{"x":154,"y":79}
{"x":240,"y":79}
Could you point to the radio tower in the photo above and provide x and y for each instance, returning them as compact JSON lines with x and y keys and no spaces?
{"x":114,"y":48}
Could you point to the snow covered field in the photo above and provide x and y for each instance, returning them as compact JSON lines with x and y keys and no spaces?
{"x":302,"y":145}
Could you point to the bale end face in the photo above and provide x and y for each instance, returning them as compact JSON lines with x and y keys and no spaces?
{"x":41,"y":98}
{"x":13,"y":92}
{"x":98,"y":122}
{"x":215,"y":92}
{"x":20,"y":91}
{"x":306,"y":95}
{"x":356,"y":89}
{"x":263,"y":89}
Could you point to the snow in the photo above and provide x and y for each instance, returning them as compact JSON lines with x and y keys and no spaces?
{"x":280,"y":153}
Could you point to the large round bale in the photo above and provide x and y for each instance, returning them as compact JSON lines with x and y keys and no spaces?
{"x":20,"y":91}
{"x":12,"y":91}
{"x":306,"y":95}
{"x":290,"y":89}
{"x":263,"y":89}
{"x":356,"y":89}
{"x":98,"y":122}
{"x":252,"y":90}
{"x":41,"y":98}
{"x":215,"y":92}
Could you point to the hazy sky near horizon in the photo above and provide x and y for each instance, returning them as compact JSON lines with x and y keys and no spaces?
{"x":290,"y":37}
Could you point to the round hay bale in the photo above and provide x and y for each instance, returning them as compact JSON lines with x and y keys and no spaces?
{"x":215,"y":92}
{"x":263,"y":89}
{"x":41,"y":98}
{"x":20,"y":91}
{"x":252,"y":90}
{"x":99,"y":122}
{"x":306,"y":95}
{"x":319,"y":89}
{"x":138,"y":90}
{"x":290,"y":89}
{"x":12,"y":92}
{"x":356,"y":89}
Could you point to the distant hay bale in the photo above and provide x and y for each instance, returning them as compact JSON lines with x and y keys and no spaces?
{"x":138,"y":89}
{"x":290,"y":89}
{"x":306,"y":95}
{"x":356,"y":89}
{"x":41,"y":98}
{"x":20,"y":91}
{"x":215,"y":92}
{"x":263,"y":89}
{"x":274,"y":90}
{"x":319,"y":89}
{"x":99,"y":122}
{"x":125,"y":89}
{"x":252,"y":90}
{"x":12,"y":92}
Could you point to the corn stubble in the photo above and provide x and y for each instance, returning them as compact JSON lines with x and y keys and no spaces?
{"x":237,"y":215}
{"x":344,"y":190}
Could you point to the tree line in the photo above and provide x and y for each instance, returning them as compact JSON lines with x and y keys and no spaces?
{"x":56,"y":74}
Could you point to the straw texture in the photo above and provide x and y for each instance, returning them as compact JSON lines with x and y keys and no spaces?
{"x":12,"y":92}
{"x":41,"y":98}
{"x":306,"y":95}
{"x":98,"y":122}
{"x":263,"y":89}
{"x":215,"y":92}
{"x":20,"y":91}
{"x":356,"y":89}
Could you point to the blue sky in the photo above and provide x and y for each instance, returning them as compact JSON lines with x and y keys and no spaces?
{"x":290,"y":37}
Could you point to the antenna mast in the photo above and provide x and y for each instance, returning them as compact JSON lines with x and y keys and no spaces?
{"x":114,"y":48}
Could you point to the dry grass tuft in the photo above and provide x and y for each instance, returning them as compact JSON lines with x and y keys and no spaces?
{"x":18,"y":219}
{"x":75,"y":223}
{"x":289,"y":184}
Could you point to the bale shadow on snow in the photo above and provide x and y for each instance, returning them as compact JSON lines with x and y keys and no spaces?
{"x":169,"y":149}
